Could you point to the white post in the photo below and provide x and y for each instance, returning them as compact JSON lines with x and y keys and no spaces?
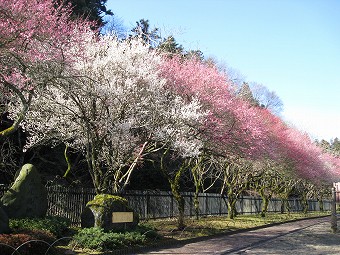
{"x":333,"y":216}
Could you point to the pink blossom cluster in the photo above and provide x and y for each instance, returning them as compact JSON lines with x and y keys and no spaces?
{"x":238,"y":127}
{"x":35,"y":40}
{"x":233,"y":128}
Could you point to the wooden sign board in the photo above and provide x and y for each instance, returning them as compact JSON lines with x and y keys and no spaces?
{"x":122,"y":217}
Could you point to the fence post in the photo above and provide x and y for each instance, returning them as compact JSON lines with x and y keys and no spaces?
{"x":220,"y":198}
{"x":172,"y":206}
{"x":334,"y":217}
{"x":190,"y":205}
{"x":146,"y":204}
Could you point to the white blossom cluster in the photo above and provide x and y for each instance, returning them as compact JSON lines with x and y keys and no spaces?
{"x":113,"y":102}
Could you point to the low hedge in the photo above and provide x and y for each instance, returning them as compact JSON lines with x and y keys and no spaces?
{"x":100,"y":240}
{"x":55,"y":225}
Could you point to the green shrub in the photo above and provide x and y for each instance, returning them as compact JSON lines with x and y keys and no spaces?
{"x":90,"y":238}
{"x":54,"y":225}
{"x":98,"y":239}
{"x":148,"y":231}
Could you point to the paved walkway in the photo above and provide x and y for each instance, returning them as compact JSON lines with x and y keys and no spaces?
{"x":311,"y":237}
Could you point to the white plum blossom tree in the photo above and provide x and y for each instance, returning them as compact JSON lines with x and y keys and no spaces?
{"x":114,"y":111}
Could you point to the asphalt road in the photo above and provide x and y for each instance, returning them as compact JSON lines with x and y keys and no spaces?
{"x":310,"y":236}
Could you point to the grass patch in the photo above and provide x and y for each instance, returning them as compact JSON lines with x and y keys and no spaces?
{"x":207,"y":226}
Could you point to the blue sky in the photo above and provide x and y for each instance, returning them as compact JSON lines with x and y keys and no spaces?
{"x":290,"y":46}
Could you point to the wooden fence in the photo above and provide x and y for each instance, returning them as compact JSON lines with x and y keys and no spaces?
{"x":70,"y":202}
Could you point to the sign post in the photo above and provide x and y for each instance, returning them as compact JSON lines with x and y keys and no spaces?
{"x":334,"y":226}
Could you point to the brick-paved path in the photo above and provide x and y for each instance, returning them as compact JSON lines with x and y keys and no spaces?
{"x":311,"y":237}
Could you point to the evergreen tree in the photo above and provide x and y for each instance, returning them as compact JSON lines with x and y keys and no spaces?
{"x":142,"y":30}
{"x":246,"y":94}
{"x":335,"y":146}
{"x":93,"y":10}
{"x":169,"y":45}
{"x":195,"y":54}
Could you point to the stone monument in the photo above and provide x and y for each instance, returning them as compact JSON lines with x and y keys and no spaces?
{"x":27,"y":197}
{"x":110,"y":213}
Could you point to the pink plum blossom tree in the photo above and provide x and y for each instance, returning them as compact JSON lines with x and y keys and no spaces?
{"x":309,"y":160}
{"x":238,"y":134}
{"x":231,"y":127}
{"x":35,"y":38}
{"x":235,"y":131}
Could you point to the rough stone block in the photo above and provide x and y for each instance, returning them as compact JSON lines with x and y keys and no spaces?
{"x":27,"y":197}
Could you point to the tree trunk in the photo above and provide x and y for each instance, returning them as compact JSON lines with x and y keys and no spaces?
{"x":320,"y":201}
{"x":285,"y":203}
{"x":198,"y":185}
{"x":304,"y":204}
{"x":175,"y":189}
{"x":232,"y":212}
{"x":196,"y":205}
{"x":283,"y":206}
{"x":21,"y":115}
{"x":265,"y":204}
{"x":181,"y":205}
